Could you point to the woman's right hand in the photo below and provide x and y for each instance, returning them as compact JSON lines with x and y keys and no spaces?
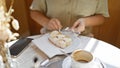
{"x":53,"y":24}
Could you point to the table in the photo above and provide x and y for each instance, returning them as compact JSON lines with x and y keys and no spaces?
{"x":106,"y":52}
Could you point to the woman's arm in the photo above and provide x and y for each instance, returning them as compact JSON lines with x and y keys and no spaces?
{"x":50,"y":24}
{"x":81,"y":23}
{"x":39,"y":17}
{"x":94,"y":20}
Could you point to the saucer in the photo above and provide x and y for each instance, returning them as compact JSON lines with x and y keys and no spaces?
{"x":67,"y":63}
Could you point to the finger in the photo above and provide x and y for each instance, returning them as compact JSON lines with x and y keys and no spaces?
{"x":59,"y":26}
{"x":50,"y":26}
{"x":51,"y":23}
{"x":80,"y":28}
{"x":75,"y":25}
{"x":55,"y":24}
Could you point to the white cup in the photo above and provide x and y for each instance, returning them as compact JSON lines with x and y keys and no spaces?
{"x":82,"y":59}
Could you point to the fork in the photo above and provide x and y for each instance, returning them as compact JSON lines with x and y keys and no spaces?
{"x":66,"y":54}
{"x":72,"y":32}
{"x":44,"y":63}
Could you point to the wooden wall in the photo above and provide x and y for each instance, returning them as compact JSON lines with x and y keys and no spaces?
{"x":21,"y":15}
{"x":34,"y":27}
{"x":108,"y":32}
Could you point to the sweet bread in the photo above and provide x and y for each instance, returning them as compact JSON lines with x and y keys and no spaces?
{"x":59,"y":39}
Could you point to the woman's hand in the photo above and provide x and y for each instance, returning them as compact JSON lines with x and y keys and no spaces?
{"x":53,"y":24}
{"x":79,"y":25}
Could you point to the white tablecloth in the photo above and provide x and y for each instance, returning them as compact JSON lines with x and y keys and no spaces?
{"x":107,"y":53}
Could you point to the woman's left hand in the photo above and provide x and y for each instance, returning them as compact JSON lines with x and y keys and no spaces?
{"x":79,"y":25}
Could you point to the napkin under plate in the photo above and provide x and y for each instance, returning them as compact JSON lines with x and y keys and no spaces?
{"x":50,"y":49}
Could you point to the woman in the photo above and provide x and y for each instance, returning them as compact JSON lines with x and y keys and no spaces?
{"x":79,"y":15}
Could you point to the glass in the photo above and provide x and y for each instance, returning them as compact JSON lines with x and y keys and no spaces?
{"x":1,"y":63}
{"x":13,"y":63}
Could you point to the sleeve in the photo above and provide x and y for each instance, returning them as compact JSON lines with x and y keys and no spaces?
{"x":39,"y":5}
{"x":102,"y":8}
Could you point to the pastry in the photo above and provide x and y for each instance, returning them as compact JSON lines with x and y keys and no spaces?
{"x":59,"y":39}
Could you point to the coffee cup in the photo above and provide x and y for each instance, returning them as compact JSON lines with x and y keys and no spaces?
{"x":82,"y":59}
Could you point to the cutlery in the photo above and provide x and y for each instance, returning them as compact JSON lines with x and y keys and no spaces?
{"x":70,"y":32}
{"x":101,"y":63}
{"x":63,"y":51}
{"x":59,"y":30}
{"x":44,"y":63}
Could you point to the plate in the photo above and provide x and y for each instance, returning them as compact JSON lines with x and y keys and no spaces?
{"x":50,"y":49}
{"x":75,"y":41}
{"x":67,"y":63}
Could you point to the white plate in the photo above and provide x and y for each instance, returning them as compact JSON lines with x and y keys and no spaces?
{"x":67,"y":63}
{"x":50,"y":49}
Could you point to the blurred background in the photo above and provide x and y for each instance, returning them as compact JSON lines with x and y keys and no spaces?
{"x":108,"y":32}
